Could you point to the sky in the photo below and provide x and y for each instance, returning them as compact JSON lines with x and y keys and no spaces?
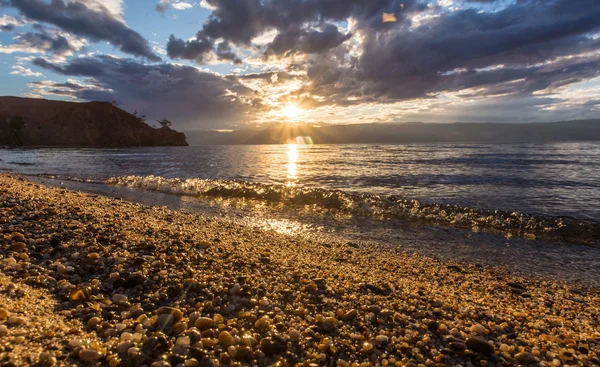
{"x":227,"y":64}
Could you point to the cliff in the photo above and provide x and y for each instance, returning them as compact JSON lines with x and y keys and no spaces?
{"x":40,"y":122}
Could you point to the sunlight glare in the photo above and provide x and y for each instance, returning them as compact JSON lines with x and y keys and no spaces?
{"x":292,"y":169}
{"x":292,"y":111}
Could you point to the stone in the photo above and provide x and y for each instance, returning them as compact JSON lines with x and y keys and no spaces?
{"x":134,"y":279}
{"x":480,"y":345}
{"x":203,"y":323}
{"x":89,"y":355}
{"x":478,"y":329}
{"x":458,"y":347}
{"x":526,"y":358}
{"x":262,"y":323}
{"x":244,"y":354}
{"x":119,"y":298}
{"x":176,"y":313}
{"x":225,"y":339}
{"x":350,"y":315}
{"x":47,"y":359}
{"x":271,"y":347}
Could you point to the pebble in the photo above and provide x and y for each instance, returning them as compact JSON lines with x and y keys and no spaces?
{"x":478,"y":329}
{"x":526,"y":358}
{"x":89,"y":355}
{"x":480,"y":345}
{"x":204,"y":323}
{"x":119,"y":298}
{"x":156,"y":287}
{"x":225,"y":339}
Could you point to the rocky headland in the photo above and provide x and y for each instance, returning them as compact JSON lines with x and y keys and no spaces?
{"x":29,"y":122}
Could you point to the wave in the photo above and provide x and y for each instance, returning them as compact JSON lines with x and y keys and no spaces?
{"x":520,"y":224}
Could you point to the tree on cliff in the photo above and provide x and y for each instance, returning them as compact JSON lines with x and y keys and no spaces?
{"x":164,"y":122}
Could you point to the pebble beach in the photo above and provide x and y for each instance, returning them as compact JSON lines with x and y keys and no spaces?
{"x":88,"y":280}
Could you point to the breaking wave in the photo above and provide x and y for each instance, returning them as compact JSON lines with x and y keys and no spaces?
{"x":374,"y":206}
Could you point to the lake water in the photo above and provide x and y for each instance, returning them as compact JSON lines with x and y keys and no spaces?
{"x":550,"y":179}
{"x":339,"y":184}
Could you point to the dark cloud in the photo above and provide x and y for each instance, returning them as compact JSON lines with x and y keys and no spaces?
{"x":186,"y":95}
{"x":44,"y":41}
{"x":163,"y":6}
{"x":77,"y":18}
{"x":7,"y":27}
{"x":403,"y":60}
{"x":240,"y":21}
{"x":307,"y":41}
{"x":200,"y":50}
{"x":404,"y":63}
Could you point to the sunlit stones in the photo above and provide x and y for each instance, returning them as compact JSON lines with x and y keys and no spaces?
{"x":291,"y":112}
{"x":292,"y":168}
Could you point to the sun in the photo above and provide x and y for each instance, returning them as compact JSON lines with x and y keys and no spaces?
{"x":291,"y":111}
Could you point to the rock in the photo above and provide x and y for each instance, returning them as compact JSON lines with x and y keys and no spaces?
{"x":433,"y":325}
{"x":92,"y":322}
{"x":479,"y":329}
{"x":458,"y":347}
{"x":119,"y":298}
{"x":294,"y":334}
{"x":203,"y":323}
{"x":350,"y":315}
{"x":271,"y":347}
{"x":244,"y":354}
{"x":526,"y":358}
{"x":134,"y":279}
{"x":89,"y":355}
{"x":46,"y":359}
{"x":165,"y":320}
{"x":225,"y":339}
{"x":18,"y":246}
{"x":3,"y":330}
{"x":262,"y":323}
{"x":480,"y":345}
{"x":176,"y":313}
{"x":183,"y":341}
{"x":15,"y":320}
{"x":124,"y":347}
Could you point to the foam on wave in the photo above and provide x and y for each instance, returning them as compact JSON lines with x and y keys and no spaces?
{"x":509,"y":223}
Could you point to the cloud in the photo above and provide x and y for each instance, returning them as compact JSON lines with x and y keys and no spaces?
{"x":190,"y":97}
{"x":23,"y":71}
{"x":182,"y":6}
{"x":42,"y":40}
{"x":91,"y":19}
{"x":240,"y":21}
{"x":202,"y":50}
{"x":164,"y":5}
{"x":307,"y":41}
{"x":8,"y":23}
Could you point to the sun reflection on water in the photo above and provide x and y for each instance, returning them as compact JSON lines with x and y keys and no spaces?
{"x":292,"y":168}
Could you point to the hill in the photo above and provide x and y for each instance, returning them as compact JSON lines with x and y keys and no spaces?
{"x":40,"y":122}
{"x":580,"y":130}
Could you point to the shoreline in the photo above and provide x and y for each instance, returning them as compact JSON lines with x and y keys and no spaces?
{"x":152,"y":286}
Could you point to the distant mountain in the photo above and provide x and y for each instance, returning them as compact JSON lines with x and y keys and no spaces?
{"x":40,"y":122}
{"x":579,"y":130}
